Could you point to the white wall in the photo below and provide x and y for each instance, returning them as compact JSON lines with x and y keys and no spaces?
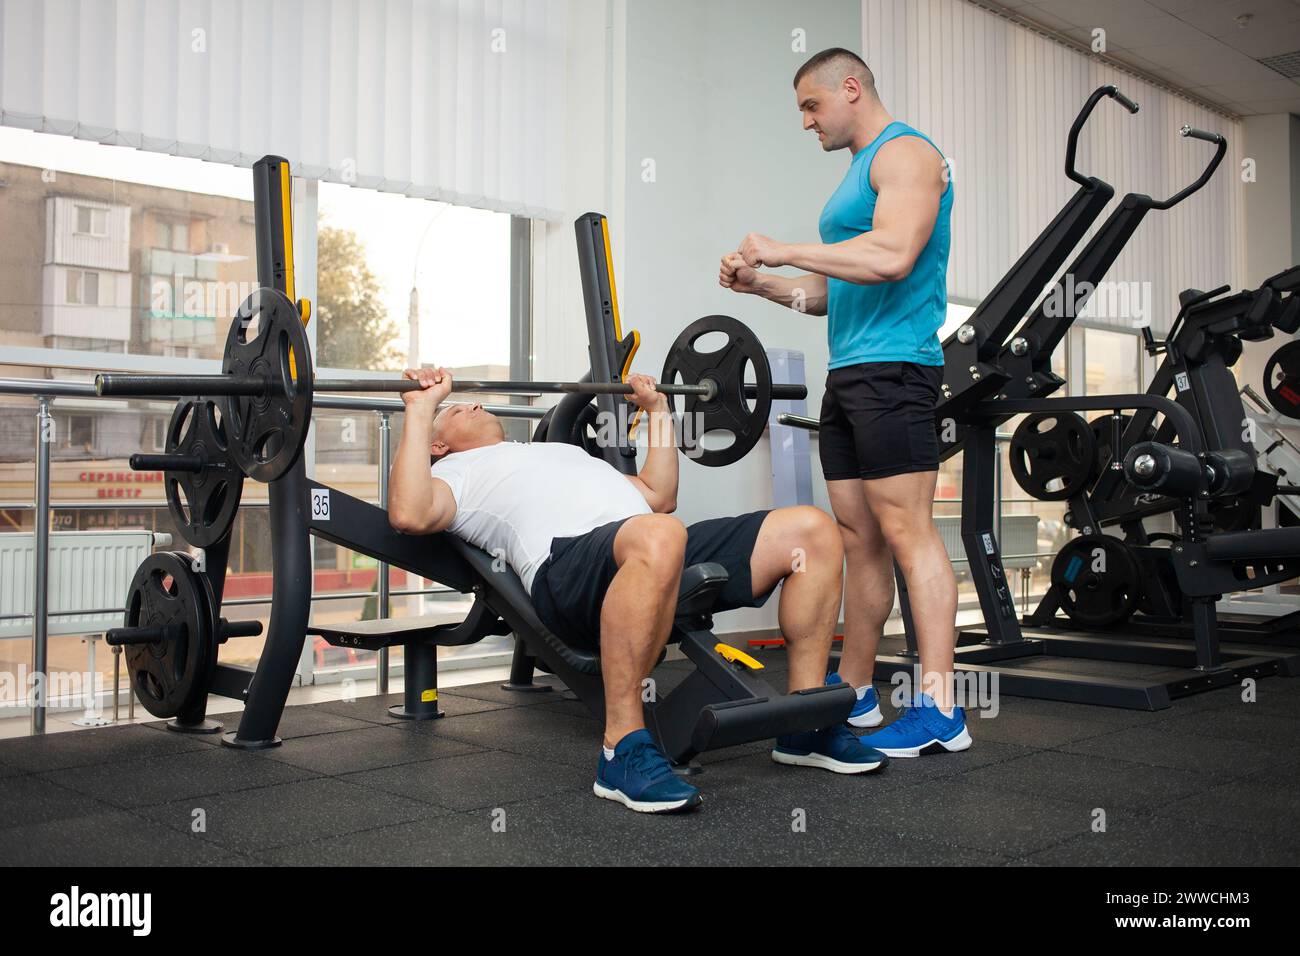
{"x":709,"y":102}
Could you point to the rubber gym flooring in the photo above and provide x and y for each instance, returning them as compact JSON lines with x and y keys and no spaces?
{"x":506,"y":779}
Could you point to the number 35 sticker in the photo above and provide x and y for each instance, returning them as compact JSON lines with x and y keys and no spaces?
{"x":320,"y":504}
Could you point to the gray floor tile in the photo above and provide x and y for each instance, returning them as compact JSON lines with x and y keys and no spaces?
{"x":153,"y":780}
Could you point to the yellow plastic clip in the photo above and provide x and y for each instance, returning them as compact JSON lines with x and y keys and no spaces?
{"x":304,"y":310}
{"x":735,"y":654}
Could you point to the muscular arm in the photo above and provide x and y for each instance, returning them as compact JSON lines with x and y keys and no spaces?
{"x":418,"y":503}
{"x":908,"y":178}
{"x":657,"y":479}
{"x":805,"y":293}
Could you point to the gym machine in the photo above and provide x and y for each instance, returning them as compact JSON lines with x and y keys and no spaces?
{"x":1145,"y":477}
{"x":252,"y":420}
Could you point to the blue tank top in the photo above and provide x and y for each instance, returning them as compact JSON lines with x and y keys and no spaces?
{"x":888,"y":321}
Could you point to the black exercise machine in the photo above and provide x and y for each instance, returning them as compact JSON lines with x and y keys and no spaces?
{"x":997,"y":367}
{"x":1149,"y":474}
{"x":172,"y":630}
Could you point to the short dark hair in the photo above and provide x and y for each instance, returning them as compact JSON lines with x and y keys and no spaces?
{"x":842,"y":61}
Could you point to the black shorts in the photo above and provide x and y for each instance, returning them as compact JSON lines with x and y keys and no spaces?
{"x":878,"y":420}
{"x":569,"y":588}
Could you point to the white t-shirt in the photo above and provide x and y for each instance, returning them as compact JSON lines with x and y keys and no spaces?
{"x":512,"y":498}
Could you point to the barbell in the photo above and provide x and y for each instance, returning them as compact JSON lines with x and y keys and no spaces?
{"x":265,"y":389}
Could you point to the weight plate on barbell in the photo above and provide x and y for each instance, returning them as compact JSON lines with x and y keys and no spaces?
{"x":729,"y":410}
{"x":169,"y":675}
{"x":202,"y":504}
{"x":268,"y":342}
{"x":1052,"y":455}
{"x":1097,"y":580}
{"x":1282,"y":380}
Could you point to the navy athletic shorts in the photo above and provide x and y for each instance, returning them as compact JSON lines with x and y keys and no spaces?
{"x":878,"y":420}
{"x":569,"y":588}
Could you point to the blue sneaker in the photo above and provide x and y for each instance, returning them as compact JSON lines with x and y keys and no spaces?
{"x":640,"y":778}
{"x":835,"y":748}
{"x":866,"y":709}
{"x":922,"y":729}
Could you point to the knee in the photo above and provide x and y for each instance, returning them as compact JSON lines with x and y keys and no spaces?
{"x":660,"y":544}
{"x":858,"y":541}
{"x":818,"y":529}
{"x":805,"y":533}
{"x":903,"y":532}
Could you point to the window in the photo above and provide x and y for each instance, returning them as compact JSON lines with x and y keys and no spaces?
{"x":92,"y":221}
{"x":77,"y":432}
{"x":1111,"y":362}
{"x":83,"y":287}
{"x":173,"y":235}
{"x":139,"y":270}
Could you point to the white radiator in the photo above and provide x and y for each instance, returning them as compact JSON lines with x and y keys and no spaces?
{"x":1018,"y":540}
{"x":88,"y":570}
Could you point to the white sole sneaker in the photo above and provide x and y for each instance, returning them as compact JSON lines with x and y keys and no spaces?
{"x":824,"y":762}
{"x":640,"y":806}
{"x":872,"y":718}
{"x":961,"y":742}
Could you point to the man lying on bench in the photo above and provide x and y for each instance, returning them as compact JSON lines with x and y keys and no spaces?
{"x":601,"y":556}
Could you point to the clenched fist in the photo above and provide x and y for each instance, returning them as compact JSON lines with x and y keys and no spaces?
{"x":759,"y":250}
{"x":735,"y":275}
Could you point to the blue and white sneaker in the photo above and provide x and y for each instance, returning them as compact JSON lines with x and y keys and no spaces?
{"x":922,"y":729}
{"x":836,"y":749}
{"x":866,"y":709}
{"x":641,"y":778}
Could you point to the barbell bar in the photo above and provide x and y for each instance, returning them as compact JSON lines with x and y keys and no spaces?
{"x":141,"y":386}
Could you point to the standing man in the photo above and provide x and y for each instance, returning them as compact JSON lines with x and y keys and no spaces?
{"x":879,"y":276}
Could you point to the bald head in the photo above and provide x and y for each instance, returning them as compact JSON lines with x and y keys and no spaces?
{"x":462,"y":427}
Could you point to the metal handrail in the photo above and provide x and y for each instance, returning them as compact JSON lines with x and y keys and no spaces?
{"x":45,"y":391}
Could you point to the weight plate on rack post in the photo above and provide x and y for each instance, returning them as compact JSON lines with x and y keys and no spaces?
{"x":170,"y":673}
{"x":1282,"y":380}
{"x":728,"y":410}
{"x":1052,"y":455}
{"x":203,"y":503}
{"x":266,"y":431}
{"x":1097,"y":580}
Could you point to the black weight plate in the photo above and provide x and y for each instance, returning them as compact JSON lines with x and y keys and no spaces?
{"x":1097,"y":580}
{"x":585,"y":431}
{"x":202,"y":504}
{"x":169,"y":675}
{"x":1053,"y":455}
{"x":543,"y":426}
{"x":268,"y":342}
{"x":728,"y":411}
{"x":1282,"y":380}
